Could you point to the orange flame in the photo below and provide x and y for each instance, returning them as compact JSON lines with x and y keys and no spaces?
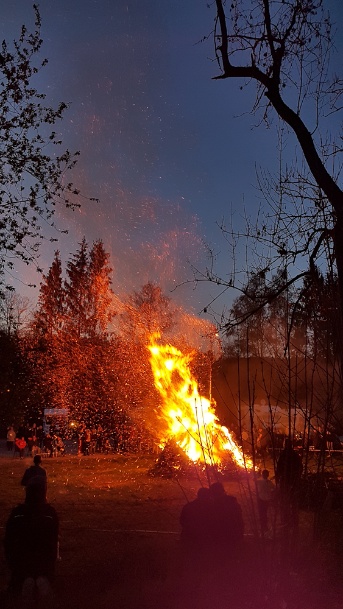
{"x":190,"y":418}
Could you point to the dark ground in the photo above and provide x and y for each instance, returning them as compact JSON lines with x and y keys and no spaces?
{"x":120,"y":545}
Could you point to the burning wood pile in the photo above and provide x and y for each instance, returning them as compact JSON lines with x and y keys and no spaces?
{"x":172,"y":461}
{"x":191,"y":430}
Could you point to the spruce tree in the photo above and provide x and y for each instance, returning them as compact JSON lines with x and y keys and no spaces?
{"x":50,"y":311}
{"x":101,"y":310}
{"x":77,"y":289}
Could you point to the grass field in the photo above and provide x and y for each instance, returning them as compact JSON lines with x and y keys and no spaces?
{"x":120,"y":543}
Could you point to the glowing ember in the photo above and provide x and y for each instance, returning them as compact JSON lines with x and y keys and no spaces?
{"x":190,"y":418}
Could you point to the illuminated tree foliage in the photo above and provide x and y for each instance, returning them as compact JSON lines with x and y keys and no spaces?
{"x":79,"y":364}
{"x":88,"y":294}
{"x":32,"y":170}
{"x":148,"y":312}
{"x":101,"y":311}
{"x":70,"y":339}
{"x":77,"y":291}
{"x":50,"y":311}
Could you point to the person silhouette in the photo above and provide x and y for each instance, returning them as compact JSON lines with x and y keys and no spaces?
{"x":227,"y":521}
{"x":265,"y":496}
{"x":195,"y":521}
{"x":288,"y":476}
{"x":34,"y":471}
{"x":31,"y":547}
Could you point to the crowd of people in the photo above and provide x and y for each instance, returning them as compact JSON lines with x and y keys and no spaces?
{"x":121,"y":438}
{"x":30,"y":440}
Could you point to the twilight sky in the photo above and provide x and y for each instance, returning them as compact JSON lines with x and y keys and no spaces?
{"x":169,"y":152}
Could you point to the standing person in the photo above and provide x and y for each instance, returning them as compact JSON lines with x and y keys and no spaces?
{"x":35,"y":449}
{"x":10,"y":438}
{"x":48,"y":444}
{"x":227,"y":522}
{"x":35,"y":471}
{"x":87,"y":438}
{"x":20,"y":445}
{"x":196,"y":547}
{"x":59,"y":445}
{"x":259,"y":435}
{"x":226,"y":528}
{"x":195,"y":520}
{"x":107,"y":445}
{"x":288,"y":475}
{"x":265,"y":493}
{"x":80,"y":438}
{"x":30,"y":440}
{"x":31,"y":548}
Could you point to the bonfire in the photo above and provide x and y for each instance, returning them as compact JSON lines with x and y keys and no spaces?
{"x":188,"y":418}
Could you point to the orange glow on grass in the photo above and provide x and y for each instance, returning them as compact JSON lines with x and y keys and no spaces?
{"x":190,"y":418}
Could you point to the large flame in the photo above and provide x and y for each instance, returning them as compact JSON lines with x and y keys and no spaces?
{"x":190,"y":418}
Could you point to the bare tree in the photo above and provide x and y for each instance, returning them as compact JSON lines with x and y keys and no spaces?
{"x":284,"y":48}
{"x":14,"y":312}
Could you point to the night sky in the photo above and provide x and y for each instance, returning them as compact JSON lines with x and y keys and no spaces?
{"x":169,"y":151}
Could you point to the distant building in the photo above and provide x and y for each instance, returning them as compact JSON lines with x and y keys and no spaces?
{"x":267,"y":388}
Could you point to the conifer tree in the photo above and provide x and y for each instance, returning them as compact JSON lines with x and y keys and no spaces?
{"x":50,"y":312}
{"x":77,"y":288}
{"x":71,"y":358}
{"x":101,"y":310}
